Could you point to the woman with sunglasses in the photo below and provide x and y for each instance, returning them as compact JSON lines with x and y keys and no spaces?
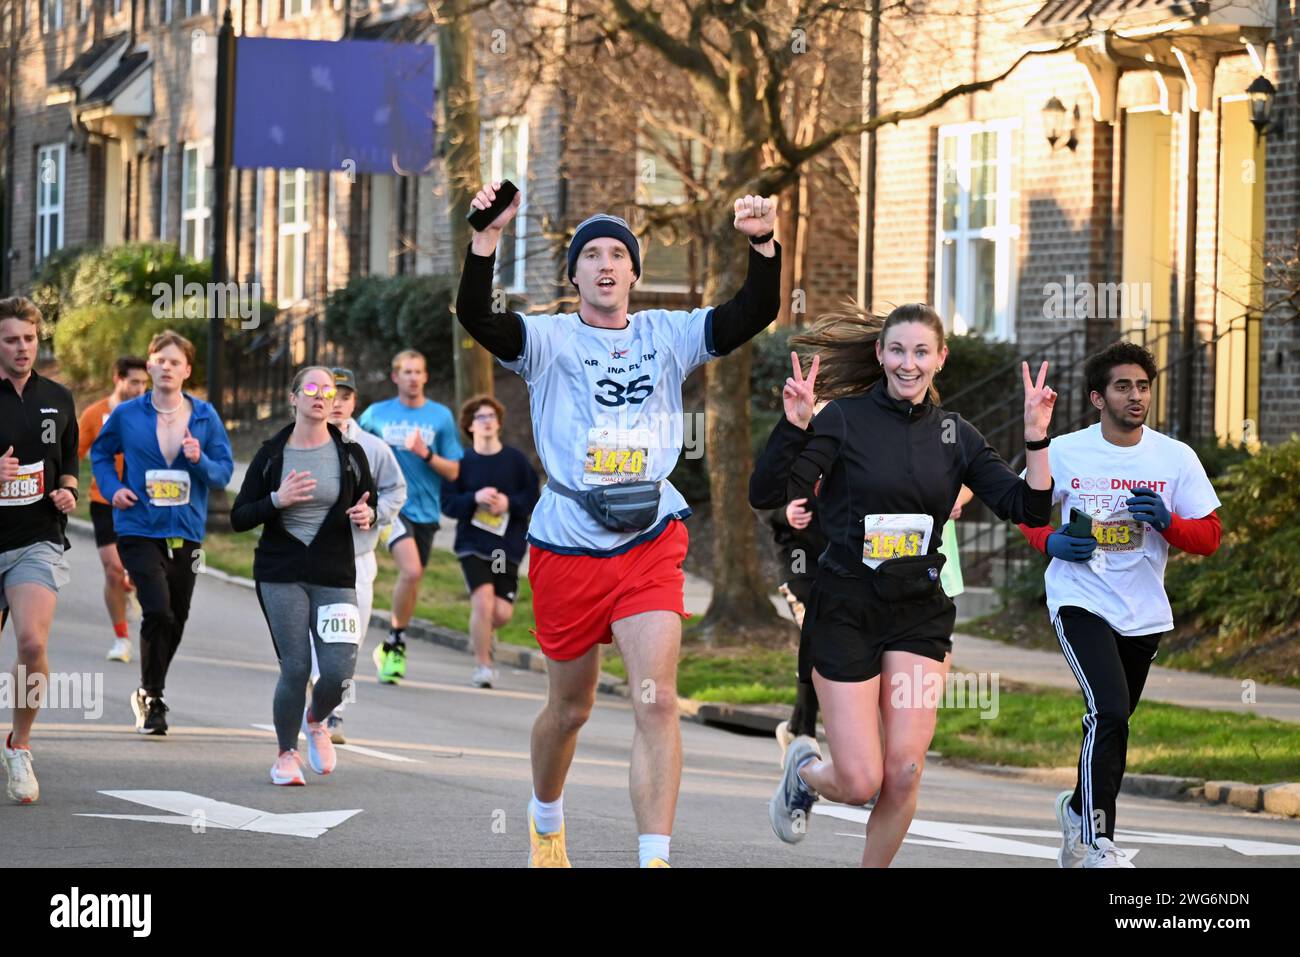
{"x":307,"y":486}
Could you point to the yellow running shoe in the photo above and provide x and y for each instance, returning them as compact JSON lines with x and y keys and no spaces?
{"x":658,"y":862}
{"x":547,"y":850}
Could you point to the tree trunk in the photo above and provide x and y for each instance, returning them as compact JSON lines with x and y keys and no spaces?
{"x":472,"y":363}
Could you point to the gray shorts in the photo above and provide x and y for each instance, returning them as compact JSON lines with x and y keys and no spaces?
{"x":42,"y":563}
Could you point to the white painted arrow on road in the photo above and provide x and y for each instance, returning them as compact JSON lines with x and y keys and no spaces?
{"x":197,"y":811}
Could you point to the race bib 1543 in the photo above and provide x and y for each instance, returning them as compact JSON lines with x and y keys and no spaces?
{"x":895,"y":536}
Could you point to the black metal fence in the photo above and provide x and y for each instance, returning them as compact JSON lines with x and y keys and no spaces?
{"x":261,"y":364}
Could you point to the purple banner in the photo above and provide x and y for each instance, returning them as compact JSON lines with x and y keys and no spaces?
{"x":349,"y":106}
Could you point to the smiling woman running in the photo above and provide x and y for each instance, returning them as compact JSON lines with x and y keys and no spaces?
{"x":892,"y":463}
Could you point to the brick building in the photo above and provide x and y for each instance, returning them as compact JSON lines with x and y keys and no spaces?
{"x":1156,"y":194}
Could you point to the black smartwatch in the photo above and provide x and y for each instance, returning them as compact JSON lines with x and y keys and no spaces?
{"x":428,"y":456}
{"x":1042,"y":443}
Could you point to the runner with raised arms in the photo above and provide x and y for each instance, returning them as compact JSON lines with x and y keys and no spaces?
{"x":607,"y":539}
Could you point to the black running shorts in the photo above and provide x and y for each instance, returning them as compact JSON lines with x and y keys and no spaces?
{"x":478,"y":572}
{"x":850,"y":629}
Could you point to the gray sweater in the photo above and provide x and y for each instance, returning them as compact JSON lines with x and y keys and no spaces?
{"x":389,"y":482}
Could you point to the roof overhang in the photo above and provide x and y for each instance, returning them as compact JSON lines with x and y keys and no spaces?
{"x":1175,"y":39}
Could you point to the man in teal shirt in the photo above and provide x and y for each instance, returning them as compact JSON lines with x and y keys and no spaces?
{"x":422,"y":434}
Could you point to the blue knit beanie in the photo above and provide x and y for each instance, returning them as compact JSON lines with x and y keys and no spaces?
{"x":601,"y":225}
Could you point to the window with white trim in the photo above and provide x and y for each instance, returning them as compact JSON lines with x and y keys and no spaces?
{"x":51,"y":15}
{"x":117,"y":8}
{"x":666,"y":163}
{"x":165,"y":11}
{"x":195,"y":8}
{"x":50,"y":171}
{"x":295,"y":223}
{"x":504,"y":152}
{"x":296,"y":8}
{"x":978,"y":228}
{"x":196,"y":202}
{"x":83,"y":10}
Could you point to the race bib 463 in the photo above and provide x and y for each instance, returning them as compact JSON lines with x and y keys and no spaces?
{"x":1123,"y":535}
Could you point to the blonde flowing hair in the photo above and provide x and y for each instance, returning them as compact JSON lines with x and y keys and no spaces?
{"x":846,"y":341}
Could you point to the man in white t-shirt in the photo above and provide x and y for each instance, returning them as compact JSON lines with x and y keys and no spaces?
{"x":1141,"y":492}
{"x":607,"y":537}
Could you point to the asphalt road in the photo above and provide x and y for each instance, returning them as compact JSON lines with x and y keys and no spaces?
{"x":436,"y":774}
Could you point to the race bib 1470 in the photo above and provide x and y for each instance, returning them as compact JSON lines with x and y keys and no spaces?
{"x":616,"y":455}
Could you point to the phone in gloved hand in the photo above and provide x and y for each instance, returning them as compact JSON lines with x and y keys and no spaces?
{"x":1080,"y":524}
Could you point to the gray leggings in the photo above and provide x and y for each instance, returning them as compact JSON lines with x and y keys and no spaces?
{"x":290,"y":611}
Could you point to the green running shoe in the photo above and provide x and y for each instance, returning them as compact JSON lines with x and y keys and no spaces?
{"x":391,"y":663}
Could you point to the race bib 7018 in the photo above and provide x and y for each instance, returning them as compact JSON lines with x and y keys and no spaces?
{"x":339,"y":623}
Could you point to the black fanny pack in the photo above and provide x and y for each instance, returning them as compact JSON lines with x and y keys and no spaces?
{"x":909,"y":579}
{"x":630,"y":507}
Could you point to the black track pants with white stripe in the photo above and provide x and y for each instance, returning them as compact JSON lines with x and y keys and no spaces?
{"x":1111,"y":669}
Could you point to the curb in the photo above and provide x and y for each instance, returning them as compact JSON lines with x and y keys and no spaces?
{"x":1282,"y":799}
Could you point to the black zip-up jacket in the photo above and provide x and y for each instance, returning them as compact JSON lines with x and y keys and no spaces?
{"x":44,"y":407}
{"x":879,"y":455}
{"x":280,"y":557}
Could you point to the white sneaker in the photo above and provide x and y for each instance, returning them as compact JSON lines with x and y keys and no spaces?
{"x":783,"y":738}
{"x":1073,"y":850}
{"x":22,"y":779}
{"x":483,"y":677}
{"x":1104,"y":853}
{"x":121,"y":650}
{"x":287,"y":769}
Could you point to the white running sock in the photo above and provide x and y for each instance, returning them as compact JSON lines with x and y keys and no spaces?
{"x":548,"y":816}
{"x":650,"y":846}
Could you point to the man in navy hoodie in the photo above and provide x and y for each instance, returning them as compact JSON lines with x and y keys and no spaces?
{"x":175,"y":449}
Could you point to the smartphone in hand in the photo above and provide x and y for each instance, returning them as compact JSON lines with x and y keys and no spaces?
{"x":1080,"y":524}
